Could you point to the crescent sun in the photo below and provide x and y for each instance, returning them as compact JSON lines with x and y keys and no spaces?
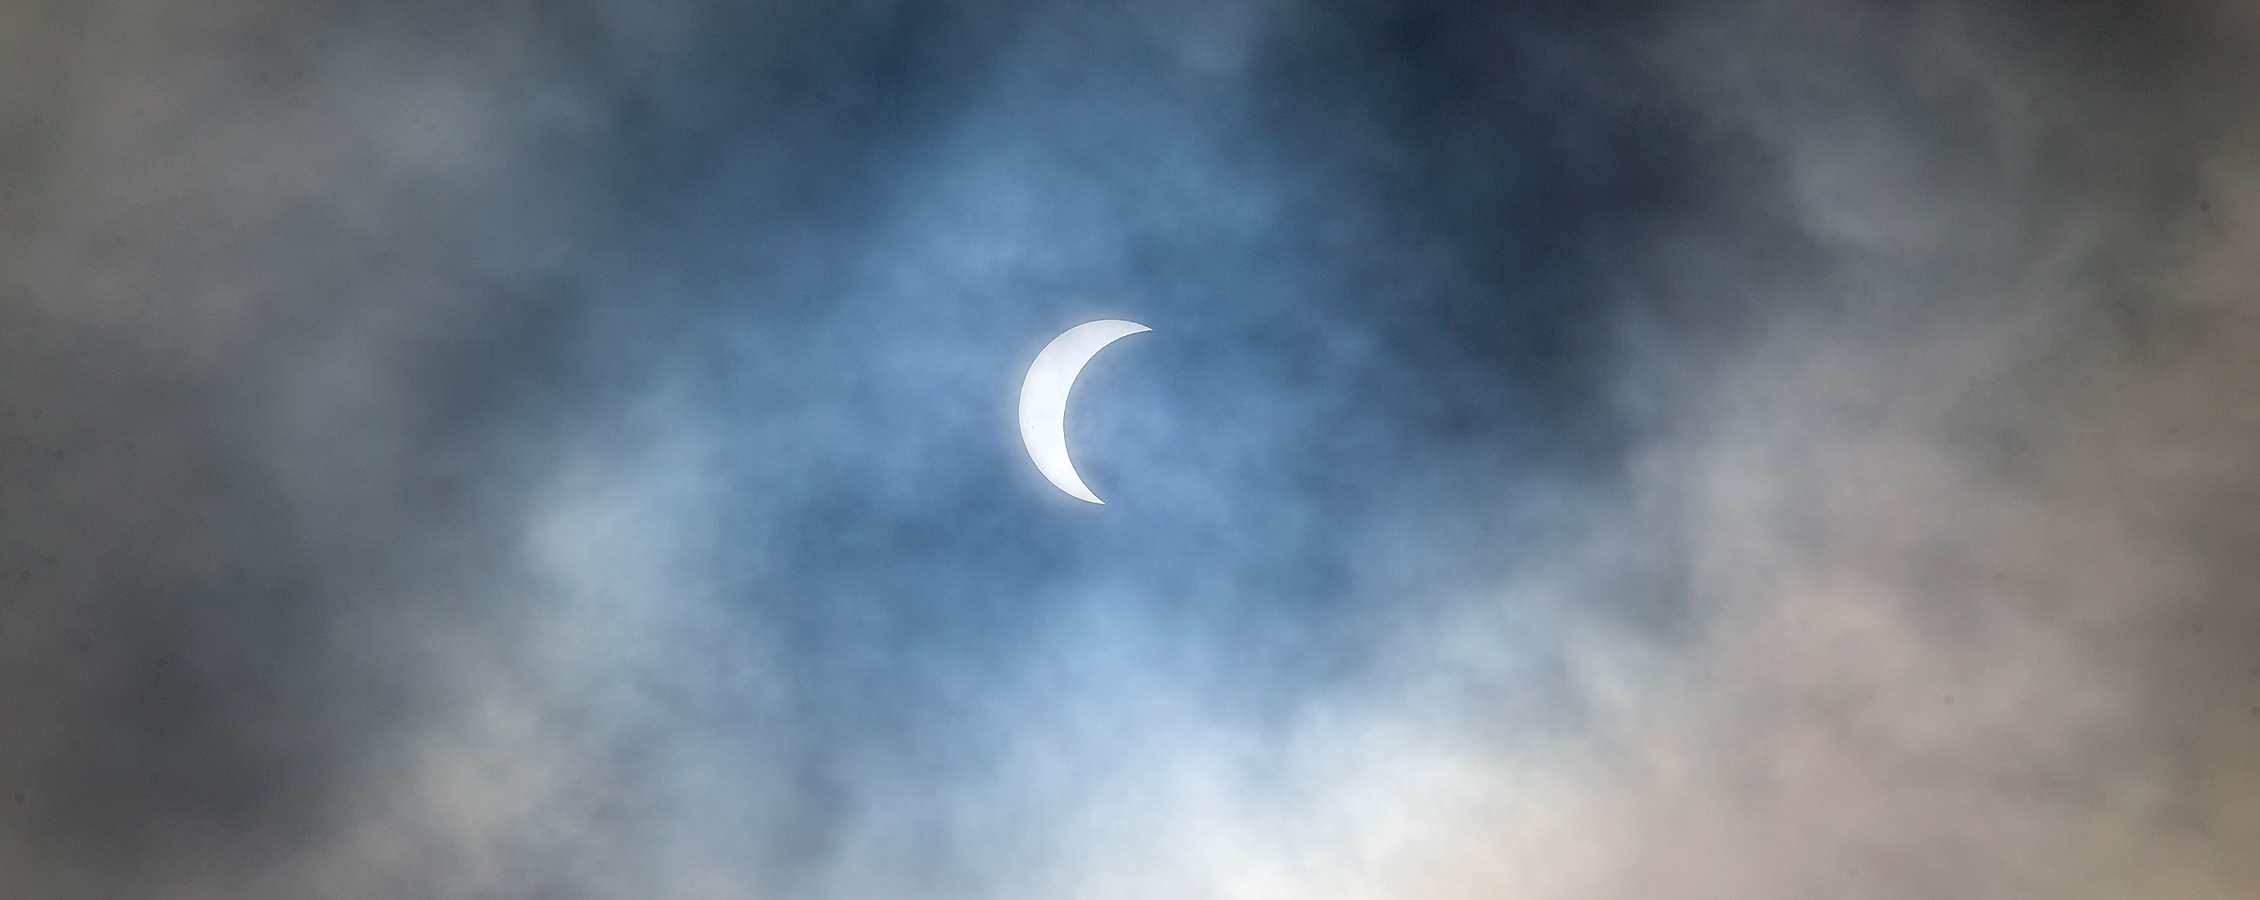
{"x":1043,"y":398}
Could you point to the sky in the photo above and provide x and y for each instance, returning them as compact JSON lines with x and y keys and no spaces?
{"x":1583,"y":451}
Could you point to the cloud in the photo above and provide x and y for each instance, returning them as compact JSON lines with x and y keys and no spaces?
{"x":1678,"y":450}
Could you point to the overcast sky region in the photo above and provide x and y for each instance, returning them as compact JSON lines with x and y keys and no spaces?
{"x":1584,"y":451}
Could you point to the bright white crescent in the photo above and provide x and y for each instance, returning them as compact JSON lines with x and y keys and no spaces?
{"x":1043,"y":398}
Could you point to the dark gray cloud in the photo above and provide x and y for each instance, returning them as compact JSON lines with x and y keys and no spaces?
{"x":1640,"y":450}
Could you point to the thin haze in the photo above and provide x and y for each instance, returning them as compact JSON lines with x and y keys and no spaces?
{"x":1620,"y":450}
